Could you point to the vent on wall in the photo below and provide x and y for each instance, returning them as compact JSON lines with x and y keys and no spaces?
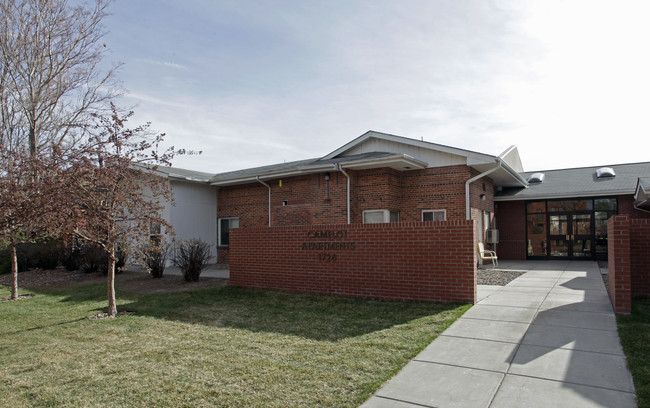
{"x":605,"y":172}
{"x":536,"y":178}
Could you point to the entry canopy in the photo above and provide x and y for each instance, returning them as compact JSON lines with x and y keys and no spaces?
{"x":642,"y":194}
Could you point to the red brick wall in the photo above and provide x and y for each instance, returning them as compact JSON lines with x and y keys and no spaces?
{"x":619,"y":268}
{"x":626,"y":206}
{"x":640,"y":256}
{"x":511,"y":220}
{"x":433,"y":261}
{"x":511,"y":223}
{"x":311,"y":200}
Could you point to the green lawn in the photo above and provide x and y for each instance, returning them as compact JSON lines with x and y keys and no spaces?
{"x":635,"y":337}
{"x":224,"y":347}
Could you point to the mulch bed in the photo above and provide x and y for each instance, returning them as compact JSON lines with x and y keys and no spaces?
{"x":496,"y":277}
{"x":20,"y":297}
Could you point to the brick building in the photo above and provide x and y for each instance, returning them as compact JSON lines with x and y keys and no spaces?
{"x":383,"y":178}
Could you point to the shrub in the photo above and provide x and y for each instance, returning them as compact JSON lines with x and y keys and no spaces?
{"x":48,"y":253}
{"x":93,"y":259}
{"x":26,"y":256}
{"x":5,"y":261}
{"x":192,"y":257}
{"x":44,"y":254}
{"x":121,"y":261}
{"x":155,"y":259}
{"x":72,"y":257}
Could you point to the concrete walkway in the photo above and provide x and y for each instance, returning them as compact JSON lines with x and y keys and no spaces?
{"x":547,"y":339}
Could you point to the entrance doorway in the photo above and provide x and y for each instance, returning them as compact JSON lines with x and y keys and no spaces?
{"x":568,"y":229}
{"x":571,"y":236}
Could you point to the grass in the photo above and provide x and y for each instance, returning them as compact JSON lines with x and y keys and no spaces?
{"x":635,"y":337}
{"x":219,"y":347}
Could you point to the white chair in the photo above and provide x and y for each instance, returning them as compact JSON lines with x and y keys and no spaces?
{"x":487,"y":255}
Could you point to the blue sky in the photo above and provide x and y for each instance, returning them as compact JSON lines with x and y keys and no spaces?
{"x":257,"y":82}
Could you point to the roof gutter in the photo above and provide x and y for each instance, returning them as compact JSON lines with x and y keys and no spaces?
{"x":338,"y":167}
{"x":468,"y":215}
{"x":518,"y":177}
{"x":269,"y":187}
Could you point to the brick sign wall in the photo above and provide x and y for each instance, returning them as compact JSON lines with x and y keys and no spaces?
{"x":629,"y":260}
{"x":432,"y":261}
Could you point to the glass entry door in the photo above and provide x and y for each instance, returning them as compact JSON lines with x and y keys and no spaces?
{"x":570,"y":235}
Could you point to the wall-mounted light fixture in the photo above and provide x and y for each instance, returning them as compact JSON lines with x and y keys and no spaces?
{"x":482,"y":197}
{"x":327,"y":176}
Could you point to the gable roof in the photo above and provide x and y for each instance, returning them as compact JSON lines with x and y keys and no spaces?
{"x":371,"y":134}
{"x":192,"y":176}
{"x":642,"y":193}
{"x":296,"y":168}
{"x":400,"y":155}
{"x":579,"y":182}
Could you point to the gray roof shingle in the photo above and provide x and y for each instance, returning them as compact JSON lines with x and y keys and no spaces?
{"x":579,"y":182}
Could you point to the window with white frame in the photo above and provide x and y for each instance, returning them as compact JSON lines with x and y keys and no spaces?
{"x":380,"y":216}
{"x":225,"y":225}
{"x":434,"y":215}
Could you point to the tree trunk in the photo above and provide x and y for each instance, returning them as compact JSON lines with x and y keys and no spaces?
{"x":110,"y":284}
{"x":14,"y":271}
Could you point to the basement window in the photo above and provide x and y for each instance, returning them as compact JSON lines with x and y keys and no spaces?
{"x":434,"y":215}
{"x":380,"y":216}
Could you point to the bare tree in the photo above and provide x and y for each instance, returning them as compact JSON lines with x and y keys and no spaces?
{"x":51,"y":55}
{"x":51,"y":86}
{"x":119,"y":193}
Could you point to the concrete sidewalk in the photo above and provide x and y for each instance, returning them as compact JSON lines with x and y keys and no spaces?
{"x":547,"y":339}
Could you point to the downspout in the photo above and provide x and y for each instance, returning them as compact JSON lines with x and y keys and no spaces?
{"x":468,"y":215}
{"x":338,"y":167}
{"x":269,"y":187}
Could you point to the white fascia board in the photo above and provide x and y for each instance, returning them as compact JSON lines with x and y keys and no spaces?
{"x":268,"y":176}
{"x":511,"y":157}
{"x":640,"y":194}
{"x":402,"y":158}
{"x":518,"y":177}
{"x":472,"y":157}
{"x":188,"y":179}
{"x":385,"y":161}
{"x":579,"y":194}
{"x":349,"y":145}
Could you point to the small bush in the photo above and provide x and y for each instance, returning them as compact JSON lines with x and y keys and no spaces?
{"x":72,"y":257}
{"x":192,"y":257}
{"x":121,"y":261}
{"x":93,"y":259}
{"x":155,"y":259}
{"x":26,"y":256}
{"x":5,"y":261}
{"x":48,"y":253}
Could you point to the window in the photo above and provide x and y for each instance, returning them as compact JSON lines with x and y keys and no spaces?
{"x":434,"y":215}
{"x":155,"y":232}
{"x":225,"y":224}
{"x":380,"y":216}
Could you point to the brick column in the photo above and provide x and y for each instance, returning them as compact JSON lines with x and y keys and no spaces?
{"x":620,"y":280}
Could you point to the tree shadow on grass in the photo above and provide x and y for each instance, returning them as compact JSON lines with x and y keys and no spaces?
{"x":318,"y":317}
{"x":44,"y":326}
